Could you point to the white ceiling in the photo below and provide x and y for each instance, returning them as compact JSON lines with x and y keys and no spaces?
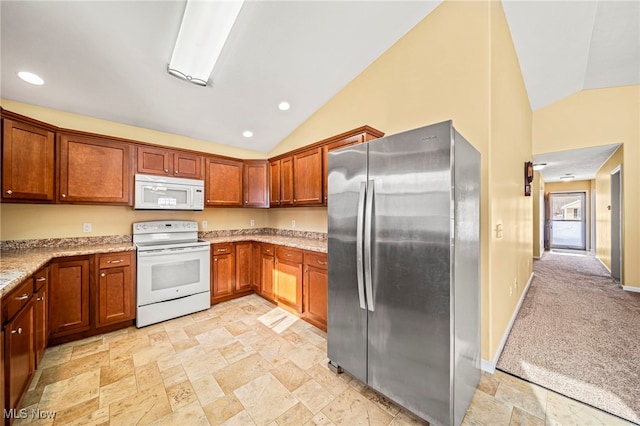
{"x":582,"y":164}
{"x":107,"y":59}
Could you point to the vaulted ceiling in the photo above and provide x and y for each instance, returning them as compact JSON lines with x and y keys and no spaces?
{"x":107,"y":59}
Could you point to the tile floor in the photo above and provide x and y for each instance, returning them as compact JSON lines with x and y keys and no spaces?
{"x":224,"y":366}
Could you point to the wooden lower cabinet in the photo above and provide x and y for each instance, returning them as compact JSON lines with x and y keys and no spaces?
{"x":315,"y":289}
{"x":116,"y":290}
{"x":288,"y":277}
{"x":19,"y":354}
{"x":256,"y":261}
{"x":223,"y":271}
{"x":41,"y":318}
{"x":244,"y":267}
{"x":267,"y":271}
{"x":69,"y":297}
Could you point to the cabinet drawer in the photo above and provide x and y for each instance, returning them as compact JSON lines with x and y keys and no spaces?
{"x":268,"y":249}
{"x":40,"y":278}
{"x":217,"y":249}
{"x":290,"y":254}
{"x":19,"y":297}
{"x":115,"y":260}
{"x":319,"y":260}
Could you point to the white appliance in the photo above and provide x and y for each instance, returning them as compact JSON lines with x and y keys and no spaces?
{"x":173,"y":270}
{"x":168,"y":193}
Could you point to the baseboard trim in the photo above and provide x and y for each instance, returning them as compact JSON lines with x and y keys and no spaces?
{"x":631,"y":288}
{"x":490,"y":366}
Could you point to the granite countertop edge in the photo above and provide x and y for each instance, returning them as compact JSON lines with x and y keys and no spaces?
{"x":18,"y":265}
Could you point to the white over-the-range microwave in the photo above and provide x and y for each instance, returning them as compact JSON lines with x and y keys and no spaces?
{"x":168,"y":193}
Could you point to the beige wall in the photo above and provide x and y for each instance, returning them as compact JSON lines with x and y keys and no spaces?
{"x":603,"y":214}
{"x":577,"y":186}
{"x":594,"y":118}
{"x":537,"y":196}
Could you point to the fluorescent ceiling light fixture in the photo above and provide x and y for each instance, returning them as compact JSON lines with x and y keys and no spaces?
{"x":247,"y":133}
{"x":30,"y":77}
{"x":204,"y":30}
{"x":567,"y":177}
{"x":284,"y":106}
{"x":539,"y":166}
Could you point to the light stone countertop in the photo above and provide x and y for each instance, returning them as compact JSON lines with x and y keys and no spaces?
{"x":19,"y":264}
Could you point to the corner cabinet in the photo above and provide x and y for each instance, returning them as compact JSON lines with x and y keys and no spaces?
{"x":255,"y":183}
{"x":223,"y":182}
{"x":165,"y":162}
{"x":27,"y":162}
{"x":307,"y":178}
{"x":94,"y":170}
{"x":281,"y":182}
{"x":116,"y":289}
{"x":267,"y":271}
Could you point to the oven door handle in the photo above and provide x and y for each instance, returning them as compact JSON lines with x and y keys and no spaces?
{"x":181,"y":250}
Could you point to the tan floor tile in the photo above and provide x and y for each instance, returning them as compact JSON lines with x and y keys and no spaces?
{"x":381,"y":401}
{"x":176,"y":335}
{"x":86,"y":413}
{"x":116,"y":391}
{"x":202,"y":327}
{"x":320,"y":419}
{"x":177,"y":322}
{"x":122,"y":348}
{"x":191,"y":414}
{"x":488,"y":383}
{"x":563,"y":411}
{"x":404,"y":418}
{"x":293,"y":338}
{"x":181,"y":394}
{"x":306,"y":356}
{"x":55,"y":356}
{"x":33,"y":416}
{"x":249,"y":338}
{"x":206,"y":364}
{"x":116,"y":371}
{"x":274,"y":349}
{"x":207,"y":389}
{"x":237,"y":327}
{"x":351,"y":408}
{"x":235,"y":352}
{"x":527,"y":396}
{"x":173,"y":376}
{"x":522,"y":418}
{"x":152,"y":353}
{"x":89,"y":348}
{"x":218,"y":338}
{"x":148,"y":375}
{"x":486,"y":410}
{"x":241,"y":419}
{"x":158,"y":337}
{"x":296,"y":415}
{"x":290,"y":375}
{"x":142,"y":408}
{"x":69,"y":392}
{"x":223,"y":409}
{"x":241,"y":372}
{"x":73,"y":368}
{"x":329,"y":380}
{"x":265,"y":399}
{"x":183,"y":345}
{"x":313,"y":395}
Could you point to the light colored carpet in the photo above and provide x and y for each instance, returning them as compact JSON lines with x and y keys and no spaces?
{"x":578,"y":333}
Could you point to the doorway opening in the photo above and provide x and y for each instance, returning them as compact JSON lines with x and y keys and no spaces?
{"x":568,"y":220}
{"x":616,"y":224}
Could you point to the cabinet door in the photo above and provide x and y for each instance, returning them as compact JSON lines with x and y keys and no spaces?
{"x":69,"y":297}
{"x":27,"y":162}
{"x":116,"y":296}
{"x":187,"y":165}
{"x":224,"y":268}
{"x":223,"y":184}
{"x":244,"y":263}
{"x":41,"y":318}
{"x":288,"y":287}
{"x":255,"y":184}
{"x":154,"y":161}
{"x":267,"y":272}
{"x":94,"y":170}
{"x":19,"y":357}
{"x":274,"y":183}
{"x":256,"y":261}
{"x":286,"y":181}
{"x":307,"y":178}
{"x":315,"y":296}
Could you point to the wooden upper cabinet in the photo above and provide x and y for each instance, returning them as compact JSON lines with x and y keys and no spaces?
{"x":94,"y":170}
{"x":274,"y":183}
{"x":223,"y":183}
{"x":281,"y":182}
{"x":165,"y":162}
{"x":307,"y":177}
{"x":256,"y":183}
{"x":27,"y":162}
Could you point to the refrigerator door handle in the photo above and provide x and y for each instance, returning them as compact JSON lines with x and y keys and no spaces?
{"x":367,"y":243}
{"x":359,"y":244}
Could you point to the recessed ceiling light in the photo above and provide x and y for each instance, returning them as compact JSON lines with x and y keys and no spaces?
{"x":539,"y":166}
{"x":247,"y":133}
{"x":283,"y":106}
{"x":30,"y":77}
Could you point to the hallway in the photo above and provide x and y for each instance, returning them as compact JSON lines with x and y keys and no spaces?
{"x":576,"y":333}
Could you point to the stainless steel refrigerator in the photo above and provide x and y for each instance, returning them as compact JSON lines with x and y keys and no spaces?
{"x":404,"y":268}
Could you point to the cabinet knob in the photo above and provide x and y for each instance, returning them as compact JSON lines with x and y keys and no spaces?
{"x":294,"y":200}
{"x":40,"y":299}
{"x":18,"y":331}
{"x":102,"y":274}
{"x":9,"y":191}
{"x":176,"y":172}
{"x":40,"y":279}
{"x":215,"y":260}
{"x":246,"y":201}
{"x":23,"y":296}
{"x":115,"y":261}
{"x":321,"y":262}
{"x":63,"y":195}
{"x":166,"y":170}
{"x":288,"y":254}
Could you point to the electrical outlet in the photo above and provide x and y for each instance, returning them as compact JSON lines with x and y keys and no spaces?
{"x":293,"y":223}
{"x":205,"y":224}
{"x":252,"y":222}
{"x":86,"y":227}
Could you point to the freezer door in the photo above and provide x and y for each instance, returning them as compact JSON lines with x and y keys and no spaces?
{"x":410,"y":326}
{"x":347,"y":315}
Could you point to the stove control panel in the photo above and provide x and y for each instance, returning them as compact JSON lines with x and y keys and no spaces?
{"x":164,"y":226}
